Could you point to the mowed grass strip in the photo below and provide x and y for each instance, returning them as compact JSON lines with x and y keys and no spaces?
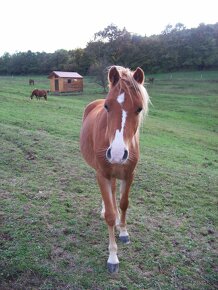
{"x":52,"y":236}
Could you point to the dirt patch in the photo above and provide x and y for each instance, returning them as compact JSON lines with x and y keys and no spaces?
{"x":30,"y":155}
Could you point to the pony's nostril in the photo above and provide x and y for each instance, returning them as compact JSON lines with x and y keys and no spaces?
{"x":108,"y":154}
{"x":125,"y":155}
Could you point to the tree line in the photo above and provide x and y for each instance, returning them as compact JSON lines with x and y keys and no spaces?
{"x":176,"y":48}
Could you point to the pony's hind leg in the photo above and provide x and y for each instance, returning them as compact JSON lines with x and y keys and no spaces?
{"x":124,"y":202}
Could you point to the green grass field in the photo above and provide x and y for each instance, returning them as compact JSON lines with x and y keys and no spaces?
{"x":51,"y":234}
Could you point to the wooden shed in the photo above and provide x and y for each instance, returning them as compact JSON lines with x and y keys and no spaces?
{"x":64,"y":82}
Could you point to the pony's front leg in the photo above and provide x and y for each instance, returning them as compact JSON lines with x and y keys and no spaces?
{"x":113,"y":188}
{"x":110,"y":217}
{"x":124,"y":202}
{"x":112,"y":262}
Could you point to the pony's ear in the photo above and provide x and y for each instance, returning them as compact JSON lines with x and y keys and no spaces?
{"x":113,"y":76}
{"x":139,"y":75}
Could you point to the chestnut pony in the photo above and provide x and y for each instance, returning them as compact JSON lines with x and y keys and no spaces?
{"x":39,"y":94}
{"x":109,"y":143}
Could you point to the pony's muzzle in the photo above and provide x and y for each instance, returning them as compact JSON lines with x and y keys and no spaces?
{"x":117,"y":156}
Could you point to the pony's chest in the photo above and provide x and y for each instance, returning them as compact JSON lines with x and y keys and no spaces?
{"x":119,"y":171}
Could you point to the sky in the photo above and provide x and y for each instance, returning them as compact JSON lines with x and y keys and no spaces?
{"x":49,"y":25}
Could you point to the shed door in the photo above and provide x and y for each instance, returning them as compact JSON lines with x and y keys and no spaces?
{"x":56,"y":85}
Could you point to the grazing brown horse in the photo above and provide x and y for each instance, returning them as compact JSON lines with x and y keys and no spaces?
{"x":109,"y":143}
{"x":151,"y":80}
{"x":39,"y":94}
{"x":31,"y":82}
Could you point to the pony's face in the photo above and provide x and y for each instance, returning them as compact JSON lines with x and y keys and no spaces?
{"x":123,"y":104}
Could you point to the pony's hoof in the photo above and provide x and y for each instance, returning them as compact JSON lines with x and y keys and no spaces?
{"x":124,"y":239}
{"x":113,"y":268}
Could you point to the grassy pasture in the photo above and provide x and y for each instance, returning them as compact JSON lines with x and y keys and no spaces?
{"x":51,"y":234}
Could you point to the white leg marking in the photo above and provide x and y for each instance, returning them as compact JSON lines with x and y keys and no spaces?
{"x":113,"y":259}
{"x":123,"y":232}
{"x":103,"y":210}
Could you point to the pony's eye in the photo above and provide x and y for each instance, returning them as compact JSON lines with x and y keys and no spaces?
{"x":138,"y":110}
{"x":106,"y":107}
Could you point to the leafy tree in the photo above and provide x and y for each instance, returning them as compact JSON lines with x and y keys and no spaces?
{"x":110,"y":33}
{"x":176,"y":48}
{"x":4,"y":63}
{"x":99,"y":71}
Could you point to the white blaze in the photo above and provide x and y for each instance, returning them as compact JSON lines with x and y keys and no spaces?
{"x":121,"y":98}
{"x":118,"y":146}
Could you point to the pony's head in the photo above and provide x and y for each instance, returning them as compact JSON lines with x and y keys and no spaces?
{"x":34,"y":93}
{"x":125,"y":105}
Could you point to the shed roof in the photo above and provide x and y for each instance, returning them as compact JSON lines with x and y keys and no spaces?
{"x":64,"y":74}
